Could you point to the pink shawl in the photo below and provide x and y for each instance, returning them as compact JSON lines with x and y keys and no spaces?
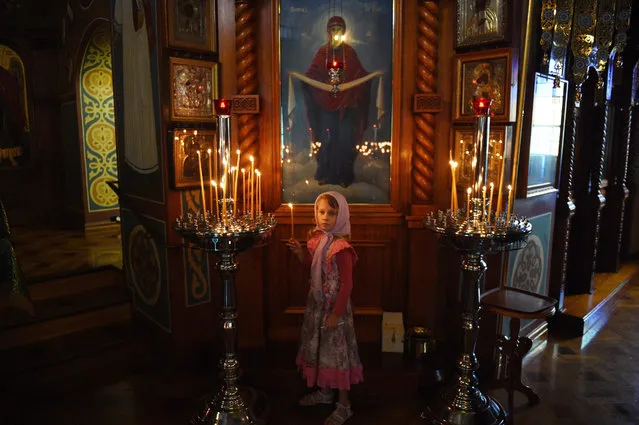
{"x":342,"y":228}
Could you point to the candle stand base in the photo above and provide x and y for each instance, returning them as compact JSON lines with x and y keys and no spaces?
{"x":225,"y":238}
{"x":249,"y":407}
{"x":462,"y":403}
{"x":480,"y":410}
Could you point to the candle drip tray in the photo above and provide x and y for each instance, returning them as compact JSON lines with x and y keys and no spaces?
{"x":234,"y":234}
{"x":471,"y":235}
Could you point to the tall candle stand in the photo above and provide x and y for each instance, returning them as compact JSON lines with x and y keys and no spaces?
{"x":225,"y":232}
{"x":474,"y":233}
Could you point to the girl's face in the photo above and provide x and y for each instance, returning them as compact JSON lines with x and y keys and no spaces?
{"x":326,"y":215}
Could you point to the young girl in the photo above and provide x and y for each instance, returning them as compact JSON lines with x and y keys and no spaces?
{"x":328,"y":355}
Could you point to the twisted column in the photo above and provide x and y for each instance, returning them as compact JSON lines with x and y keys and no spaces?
{"x":423,"y":163}
{"x":246,"y":73}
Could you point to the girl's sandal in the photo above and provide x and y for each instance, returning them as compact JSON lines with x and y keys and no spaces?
{"x":340,"y":415}
{"x":318,"y":397}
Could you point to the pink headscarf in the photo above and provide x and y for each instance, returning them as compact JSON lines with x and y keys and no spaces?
{"x":342,"y":228}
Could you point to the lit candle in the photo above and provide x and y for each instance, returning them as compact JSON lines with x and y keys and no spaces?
{"x":501,"y":187}
{"x":251,"y":181}
{"x":237,"y":175}
{"x":468,"y":192}
{"x":199,"y":156}
{"x":223,"y":185}
{"x":484,"y":201}
{"x":258,"y":190}
{"x":510,"y":192}
{"x":292,"y":222}
{"x":243,"y":191}
{"x":492,"y":188}
{"x":210,"y":179}
{"x":453,"y":196}
{"x":217,"y":201}
{"x":456,"y":205}
{"x":375,"y":132}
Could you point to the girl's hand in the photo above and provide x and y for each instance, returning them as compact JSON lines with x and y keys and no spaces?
{"x":332,"y":320}
{"x":296,"y":248}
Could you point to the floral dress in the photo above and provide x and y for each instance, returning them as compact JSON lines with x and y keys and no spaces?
{"x":328,"y":357}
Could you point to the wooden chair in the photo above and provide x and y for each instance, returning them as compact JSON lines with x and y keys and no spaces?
{"x":516,"y":304}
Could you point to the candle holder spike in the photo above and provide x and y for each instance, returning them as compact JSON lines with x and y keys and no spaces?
{"x":475,"y":232}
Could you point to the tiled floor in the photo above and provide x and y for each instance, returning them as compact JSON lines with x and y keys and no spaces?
{"x":45,"y":252}
{"x":587,"y":381}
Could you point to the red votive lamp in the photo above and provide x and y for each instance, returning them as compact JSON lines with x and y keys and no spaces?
{"x":334,"y":64}
{"x":222,"y":106}
{"x":481,"y":105}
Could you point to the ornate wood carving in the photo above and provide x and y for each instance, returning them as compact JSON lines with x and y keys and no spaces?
{"x":247,"y":77}
{"x":423,"y":170}
{"x":246,"y":104}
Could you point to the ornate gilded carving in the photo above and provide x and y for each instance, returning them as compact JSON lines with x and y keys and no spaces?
{"x":583,"y":38}
{"x":603,"y":38}
{"x":624,"y":7}
{"x":246,"y":76}
{"x":563,"y":26}
{"x":424,"y":148}
{"x":548,"y":12}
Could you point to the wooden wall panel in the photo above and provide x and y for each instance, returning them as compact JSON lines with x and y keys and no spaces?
{"x":379,"y":282}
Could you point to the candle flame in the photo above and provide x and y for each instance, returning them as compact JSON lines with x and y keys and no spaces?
{"x":492,"y":185}
{"x":257,"y":172}
{"x":209,"y":150}
{"x":251,"y":158}
{"x":243,"y":170}
{"x":213,"y":183}
{"x":469,"y":190}
{"x":198,"y":152}
{"x":195,"y":132}
{"x":238,"y":152}
{"x":510,"y":187}
{"x":290,"y":205}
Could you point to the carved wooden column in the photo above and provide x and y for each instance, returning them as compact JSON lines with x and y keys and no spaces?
{"x":591,"y":130}
{"x":628,"y":246}
{"x":612,"y":215}
{"x":246,"y":102}
{"x":426,"y":103}
{"x":565,"y":204}
{"x":578,"y":277}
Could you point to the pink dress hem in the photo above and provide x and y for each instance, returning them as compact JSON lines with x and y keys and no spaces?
{"x":338,"y":379}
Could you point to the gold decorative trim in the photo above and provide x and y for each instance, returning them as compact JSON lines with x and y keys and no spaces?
{"x":563,"y":27}
{"x":583,"y":38}
{"x":548,"y":13}
{"x":603,"y":38}
{"x":624,"y":8}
